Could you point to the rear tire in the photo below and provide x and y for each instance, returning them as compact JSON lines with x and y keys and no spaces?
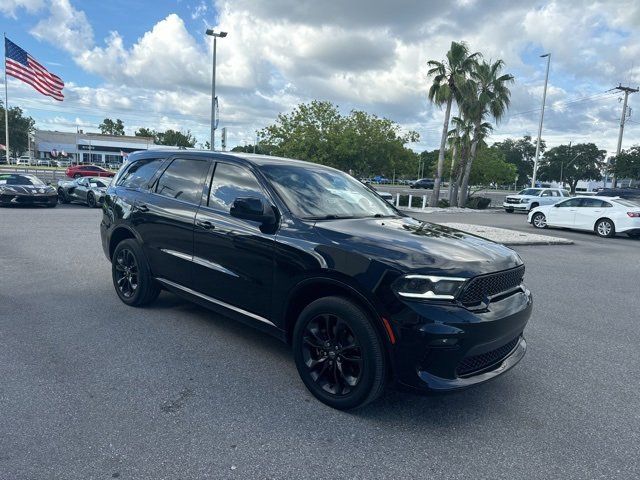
{"x":605,"y":228}
{"x":339,"y":354}
{"x":131,"y":275}
{"x":534,"y":205}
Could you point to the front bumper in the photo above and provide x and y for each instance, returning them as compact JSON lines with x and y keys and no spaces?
{"x":9,"y":199}
{"x":445,"y":347}
{"x":523,"y":207}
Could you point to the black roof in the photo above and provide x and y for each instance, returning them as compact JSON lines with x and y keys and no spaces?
{"x":252,"y":158}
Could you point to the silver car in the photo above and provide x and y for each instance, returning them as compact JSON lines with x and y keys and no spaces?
{"x":87,"y":190}
{"x":530,"y":198}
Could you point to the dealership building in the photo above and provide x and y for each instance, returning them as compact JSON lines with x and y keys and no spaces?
{"x":86,"y":147}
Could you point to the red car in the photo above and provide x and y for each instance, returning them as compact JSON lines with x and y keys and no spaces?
{"x":76,"y":171}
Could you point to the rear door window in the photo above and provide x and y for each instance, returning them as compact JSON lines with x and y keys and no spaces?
{"x":139,"y":174}
{"x":183,"y":180}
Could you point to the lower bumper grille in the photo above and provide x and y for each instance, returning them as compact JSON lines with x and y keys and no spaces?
{"x":477,"y":363}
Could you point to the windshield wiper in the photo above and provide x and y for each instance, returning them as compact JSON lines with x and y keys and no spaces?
{"x":329,"y":217}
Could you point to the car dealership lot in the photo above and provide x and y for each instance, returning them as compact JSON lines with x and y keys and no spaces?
{"x":95,"y":389}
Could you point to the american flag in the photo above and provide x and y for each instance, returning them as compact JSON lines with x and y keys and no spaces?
{"x":21,"y":65}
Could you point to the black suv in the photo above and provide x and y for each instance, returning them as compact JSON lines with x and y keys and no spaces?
{"x":363,"y":293}
{"x":626,"y":193}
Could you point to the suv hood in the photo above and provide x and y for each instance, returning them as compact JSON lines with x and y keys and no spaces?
{"x":413,"y":246}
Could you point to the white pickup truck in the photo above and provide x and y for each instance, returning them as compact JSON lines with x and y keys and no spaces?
{"x":530,"y":198}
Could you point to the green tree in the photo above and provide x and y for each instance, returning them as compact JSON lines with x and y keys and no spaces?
{"x":490,"y":167}
{"x":521,"y":153}
{"x":109,"y":127}
{"x":627,"y":163}
{"x":491,"y":97}
{"x":146,"y":132}
{"x":583,"y":161}
{"x":360,"y":143}
{"x":20,"y":126}
{"x":450,"y":79}
{"x":176,"y":138}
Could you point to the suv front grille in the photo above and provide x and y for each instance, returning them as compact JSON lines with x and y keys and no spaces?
{"x":513,"y":200}
{"x":477,"y":363}
{"x":492,"y":284}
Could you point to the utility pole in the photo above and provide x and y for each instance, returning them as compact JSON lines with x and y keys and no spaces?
{"x":544,"y":99}
{"x":623,"y":118}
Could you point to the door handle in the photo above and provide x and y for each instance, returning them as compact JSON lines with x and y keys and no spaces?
{"x":207,"y":225}
{"x":142,"y":208}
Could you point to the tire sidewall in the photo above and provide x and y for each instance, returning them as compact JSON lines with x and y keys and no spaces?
{"x":91,"y":203}
{"x":144,"y":274}
{"x":367,"y":337}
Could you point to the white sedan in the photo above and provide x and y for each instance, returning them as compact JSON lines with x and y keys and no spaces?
{"x":605,"y":216}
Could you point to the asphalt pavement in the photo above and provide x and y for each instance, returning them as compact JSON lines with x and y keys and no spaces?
{"x":91,"y":388}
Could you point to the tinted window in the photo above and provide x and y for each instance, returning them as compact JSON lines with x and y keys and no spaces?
{"x":183,"y":180}
{"x":566,"y":193}
{"x":230,"y":182}
{"x":593,"y":203}
{"x":530,"y":191}
{"x":574,"y":202}
{"x":139,"y":173}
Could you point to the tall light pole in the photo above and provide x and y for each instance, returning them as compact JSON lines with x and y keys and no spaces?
{"x":213,"y":84}
{"x":544,"y":98}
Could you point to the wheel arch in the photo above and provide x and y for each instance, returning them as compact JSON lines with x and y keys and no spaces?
{"x":315,"y":288}
{"x":119,"y":234}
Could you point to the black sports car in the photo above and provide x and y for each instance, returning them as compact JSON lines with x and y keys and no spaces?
{"x":88,"y":190}
{"x":21,"y":189}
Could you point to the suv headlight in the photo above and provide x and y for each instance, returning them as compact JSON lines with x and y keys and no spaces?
{"x":524,"y":200}
{"x":429,"y":287}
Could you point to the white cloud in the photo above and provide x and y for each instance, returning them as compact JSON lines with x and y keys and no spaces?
{"x":9,"y":7}
{"x":362,"y":54}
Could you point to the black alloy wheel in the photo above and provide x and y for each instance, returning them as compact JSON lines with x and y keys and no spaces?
{"x":131,"y":275}
{"x":63,"y":197}
{"x":332,"y":354}
{"x":91,"y":200}
{"x":339,"y":354}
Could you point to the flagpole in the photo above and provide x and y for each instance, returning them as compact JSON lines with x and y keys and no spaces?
{"x":6,"y":102}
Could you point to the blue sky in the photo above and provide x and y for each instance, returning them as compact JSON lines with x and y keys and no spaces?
{"x":149,"y":63}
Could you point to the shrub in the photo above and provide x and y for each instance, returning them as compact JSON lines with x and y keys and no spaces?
{"x":443,"y":203}
{"x":478,"y":203}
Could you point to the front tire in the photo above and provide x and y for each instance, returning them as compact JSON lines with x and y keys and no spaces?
{"x":132,"y":276}
{"x":539,"y":220}
{"x":508,"y":210}
{"x":339,"y":354}
{"x":91,"y":200}
{"x":605,"y":228}
{"x":63,"y":196}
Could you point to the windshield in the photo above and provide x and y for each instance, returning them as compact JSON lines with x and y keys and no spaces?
{"x":98,"y":183}
{"x":323,"y":193}
{"x":530,"y":191}
{"x":21,"y":180}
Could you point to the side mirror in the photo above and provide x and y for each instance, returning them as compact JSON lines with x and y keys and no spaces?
{"x":254,"y":209}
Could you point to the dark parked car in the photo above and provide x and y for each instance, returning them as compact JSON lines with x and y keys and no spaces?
{"x":76,"y":171}
{"x":87,"y":190}
{"x":626,"y":193}
{"x":22,"y":189}
{"x":364,"y":294}
{"x":423,"y":183}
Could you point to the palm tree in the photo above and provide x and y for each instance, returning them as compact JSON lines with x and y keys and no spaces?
{"x":491,"y":96}
{"x":449,"y":83}
{"x":459,"y":142}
